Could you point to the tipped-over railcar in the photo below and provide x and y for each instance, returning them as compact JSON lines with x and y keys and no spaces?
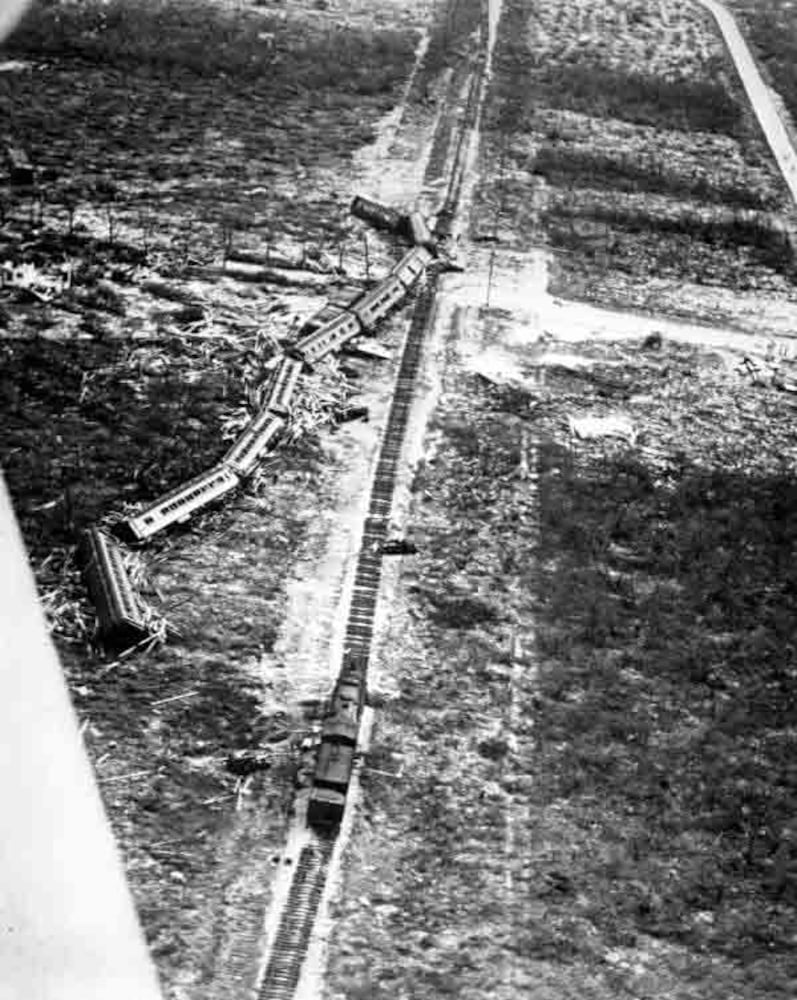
{"x":419,"y":232}
{"x":315,"y":346}
{"x":380,"y":216}
{"x":120,"y":618}
{"x":179,"y":504}
{"x":376,"y":304}
{"x":256,"y":441}
{"x":282,"y":385}
{"x":412,"y":265}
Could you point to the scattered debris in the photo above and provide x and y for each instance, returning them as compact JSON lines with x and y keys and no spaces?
{"x":20,"y":169}
{"x":175,"y":697}
{"x":398,"y":547}
{"x":246,"y":762}
{"x":764,"y":374}
{"x":125,"y":777}
{"x":361,"y":349}
{"x":353,"y":413}
{"x":589,"y":428}
{"x":43,"y":286}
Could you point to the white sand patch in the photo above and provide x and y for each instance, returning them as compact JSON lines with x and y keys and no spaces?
{"x":14,"y":66}
{"x":390,"y":169}
{"x":590,"y":428}
{"x":516,"y":286}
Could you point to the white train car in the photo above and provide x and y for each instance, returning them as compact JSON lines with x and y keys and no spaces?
{"x":178,"y":505}
{"x":256,"y":441}
{"x":328,"y":338}
{"x":281,"y":386}
{"x":412,"y":265}
{"x":419,"y":231}
{"x":379,"y":301}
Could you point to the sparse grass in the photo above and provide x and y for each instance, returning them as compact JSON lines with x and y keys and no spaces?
{"x":627,"y":159}
{"x":201,"y":38}
{"x":564,"y":166}
{"x":669,"y":686}
{"x":647,"y":762}
{"x":184,"y":126}
{"x":770,"y":27}
{"x":682,"y":104}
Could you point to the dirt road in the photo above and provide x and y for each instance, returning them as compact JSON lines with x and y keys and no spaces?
{"x":759,"y":93}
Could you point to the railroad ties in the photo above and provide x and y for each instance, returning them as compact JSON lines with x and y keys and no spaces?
{"x":293,"y":933}
{"x":330,"y":784}
{"x":327,"y":801}
{"x":336,"y":753}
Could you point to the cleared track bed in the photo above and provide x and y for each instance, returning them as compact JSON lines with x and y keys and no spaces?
{"x":296,"y":924}
{"x":284,"y":966}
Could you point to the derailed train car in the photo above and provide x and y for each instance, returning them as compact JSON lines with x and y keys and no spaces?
{"x":282,"y":384}
{"x":262,"y":433}
{"x":178,"y":505}
{"x":381,"y":216}
{"x":366,"y":311}
{"x":120,"y":617}
{"x":258,"y":439}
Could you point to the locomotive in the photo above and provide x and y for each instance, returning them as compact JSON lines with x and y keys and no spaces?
{"x":337,"y":749}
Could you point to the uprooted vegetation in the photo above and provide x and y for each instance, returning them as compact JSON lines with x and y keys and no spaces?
{"x":622,"y":138}
{"x":166,"y":151}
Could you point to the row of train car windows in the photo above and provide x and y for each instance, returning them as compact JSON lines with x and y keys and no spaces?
{"x":187,"y":499}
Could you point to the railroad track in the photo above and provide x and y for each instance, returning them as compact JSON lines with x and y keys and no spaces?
{"x":290,"y":944}
{"x":298,"y":916}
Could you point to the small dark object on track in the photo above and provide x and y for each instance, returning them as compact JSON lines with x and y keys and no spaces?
{"x":399,"y":547}
{"x":353,"y":413}
{"x":246,"y":762}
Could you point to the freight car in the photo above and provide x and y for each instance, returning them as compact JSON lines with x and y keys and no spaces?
{"x":181,"y":503}
{"x":120,"y":619}
{"x":342,"y":722}
{"x":380,"y":216}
